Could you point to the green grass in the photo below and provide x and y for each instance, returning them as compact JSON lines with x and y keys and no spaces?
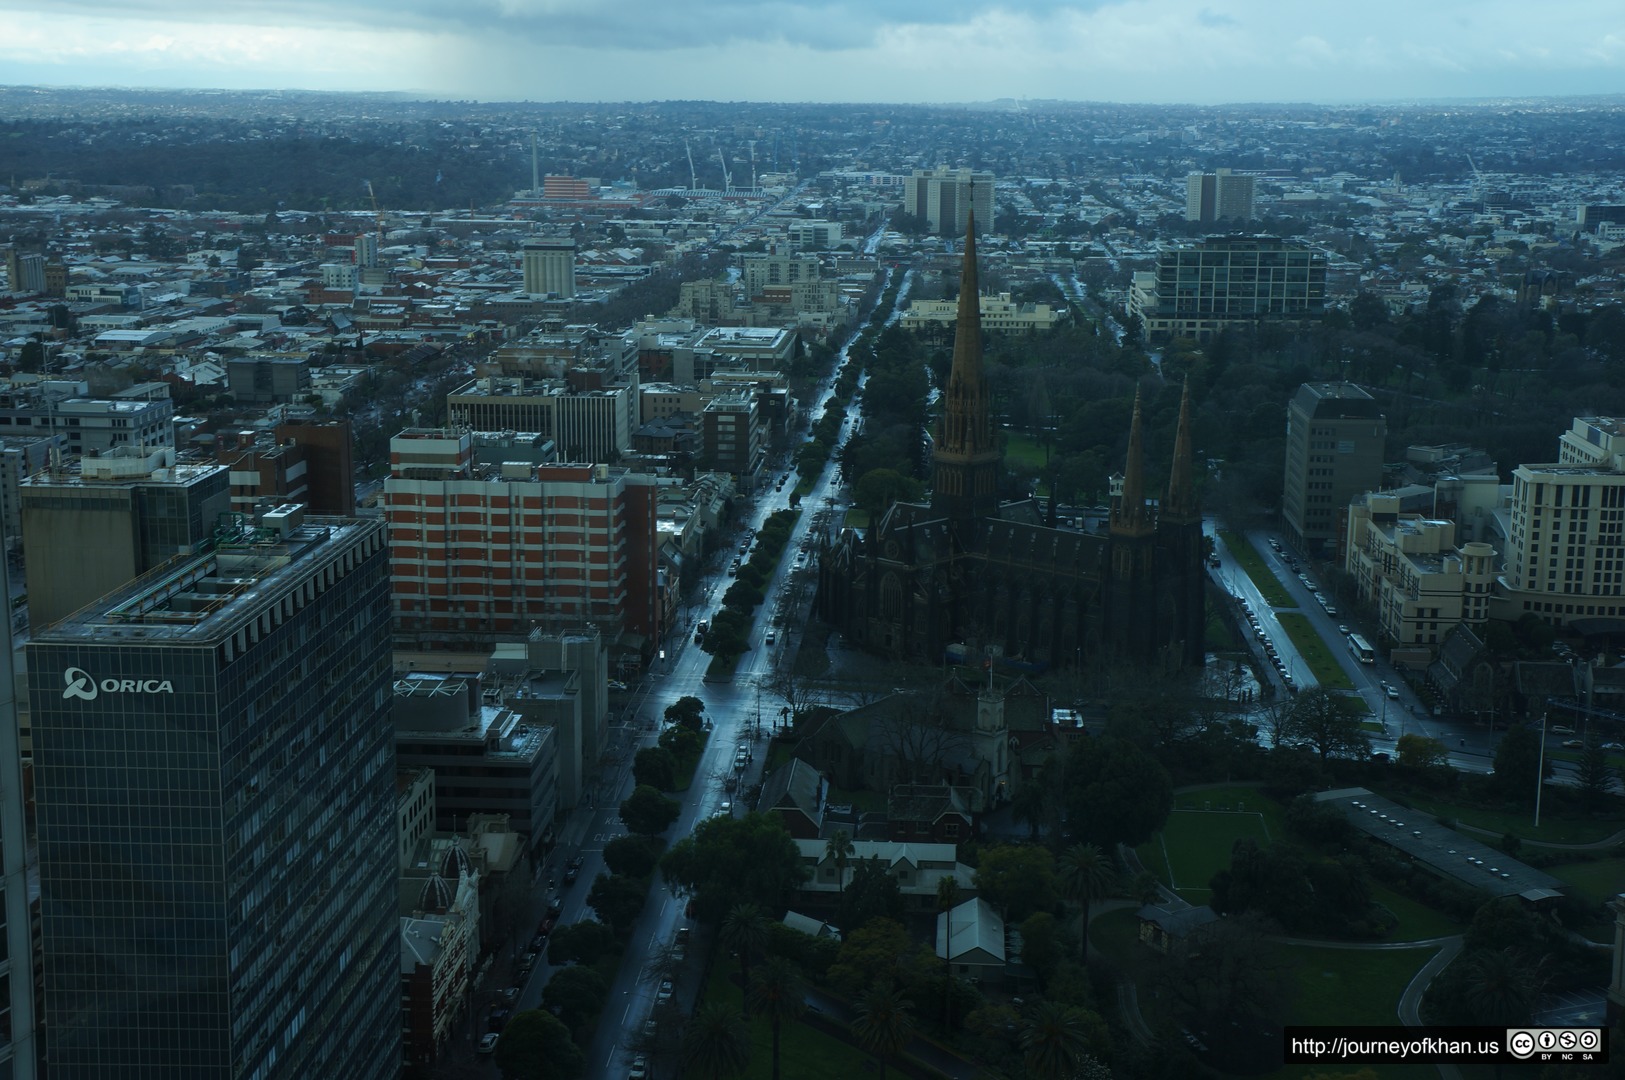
{"x":859,"y":800}
{"x":1023,"y":450}
{"x":1595,"y":881}
{"x":1417,"y":922}
{"x":1351,"y":986}
{"x":686,"y":767}
{"x":1315,"y":652}
{"x":1518,"y":822}
{"x":1242,"y":797}
{"x":857,"y":519}
{"x":1269,"y":586}
{"x":1196,"y":845}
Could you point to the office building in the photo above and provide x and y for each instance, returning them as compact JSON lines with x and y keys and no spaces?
{"x":483,"y":553}
{"x":95,"y":524}
{"x":1218,"y":196}
{"x":215,"y":790}
{"x":587,"y":425}
{"x":944,"y":198}
{"x":262,"y":380}
{"x":22,"y":456}
{"x":366,"y":251}
{"x":550,"y":266}
{"x":18,"y":1046}
{"x":1565,"y":526}
{"x":1334,"y":451}
{"x":1224,"y":282}
{"x":733,"y":435}
{"x":309,"y":463}
{"x":1410,"y":571}
{"x":25,"y":271}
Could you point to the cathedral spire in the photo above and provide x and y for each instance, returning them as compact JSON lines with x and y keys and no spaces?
{"x":1181,"y":504}
{"x":1130,"y":515}
{"x":966,"y":458}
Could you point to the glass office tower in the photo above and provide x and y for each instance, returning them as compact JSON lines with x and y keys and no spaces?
{"x":215,"y":794}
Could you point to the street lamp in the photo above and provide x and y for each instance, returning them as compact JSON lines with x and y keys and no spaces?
{"x":1540,"y":770}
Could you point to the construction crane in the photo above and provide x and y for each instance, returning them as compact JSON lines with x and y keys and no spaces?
{"x":377,"y":213}
{"x":753,"y":164}
{"x":693,"y":177}
{"x":1478,"y":177}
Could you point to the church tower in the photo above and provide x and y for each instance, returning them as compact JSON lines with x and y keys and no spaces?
{"x":1131,"y":615}
{"x":964,"y":486}
{"x":1183,"y":553}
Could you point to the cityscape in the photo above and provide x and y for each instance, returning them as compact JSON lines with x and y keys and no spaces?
{"x":1027,"y":589}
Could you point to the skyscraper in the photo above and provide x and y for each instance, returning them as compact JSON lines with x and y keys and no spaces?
{"x":1218,"y":196}
{"x":1334,"y":451}
{"x":216,"y":812}
{"x":944,"y":198}
{"x":550,"y":266}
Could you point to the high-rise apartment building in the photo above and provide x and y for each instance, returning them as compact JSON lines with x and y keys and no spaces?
{"x":215,"y":787}
{"x":1334,"y":451}
{"x":1199,"y":290}
{"x":946,"y":197}
{"x":592,"y":426}
{"x":1218,"y":196}
{"x":92,"y":526}
{"x":1566,"y":530}
{"x":484,"y":553}
{"x":550,"y":266}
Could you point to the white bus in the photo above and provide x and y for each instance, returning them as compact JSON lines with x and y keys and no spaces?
{"x":1361,"y":649}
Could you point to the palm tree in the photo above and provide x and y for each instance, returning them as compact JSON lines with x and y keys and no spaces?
{"x":776,"y":993}
{"x":744,"y":929}
{"x":839,"y":848}
{"x":1054,"y":1040}
{"x":1502,"y":988}
{"x":947,"y":898}
{"x":884,"y":1024}
{"x":1086,"y":875}
{"x":715,"y":1044}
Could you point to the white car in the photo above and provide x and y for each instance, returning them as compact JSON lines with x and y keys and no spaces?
{"x":663,"y":995}
{"x":488,"y":1042}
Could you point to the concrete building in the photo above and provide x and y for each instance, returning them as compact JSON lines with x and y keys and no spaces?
{"x":815,"y":235}
{"x":486,"y":758}
{"x":559,"y":679}
{"x":1565,"y":549}
{"x":1412,"y":573}
{"x":94,"y":525}
{"x":1224,"y":282}
{"x":733,"y":436}
{"x":1335,"y":434}
{"x":297,"y":462}
{"x":212,"y":746}
{"x":762,"y":269}
{"x":414,"y":809}
{"x":22,"y":456}
{"x":261,"y":380}
{"x":440,"y":941}
{"x":1218,"y":196}
{"x":999,"y":313}
{"x":549,"y":266}
{"x":96,"y":425}
{"x":945,"y":198}
{"x":481,"y":554}
{"x":18,"y":1046}
{"x":587,"y":425}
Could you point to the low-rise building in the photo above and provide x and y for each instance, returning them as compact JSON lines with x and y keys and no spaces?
{"x":999,"y":313}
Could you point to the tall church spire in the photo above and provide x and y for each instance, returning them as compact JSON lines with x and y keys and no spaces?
{"x":1130,"y":514}
{"x":1181,"y":504}
{"x":966,"y":459}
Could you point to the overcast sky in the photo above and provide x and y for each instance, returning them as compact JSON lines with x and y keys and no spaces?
{"x":830,"y":50}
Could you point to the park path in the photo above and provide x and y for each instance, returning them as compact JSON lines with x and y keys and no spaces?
{"x":1596,"y":845}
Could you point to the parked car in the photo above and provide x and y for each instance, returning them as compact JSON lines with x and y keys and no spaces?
{"x":1573,"y":744}
{"x":488,"y":1042}
{"x":1613,"y":746}
{"x":573,"y":871}
{"x":554,"y":906}
{"x":639,"y":1069}
{"x":663,"y":994}
{"x":1560,"y":729}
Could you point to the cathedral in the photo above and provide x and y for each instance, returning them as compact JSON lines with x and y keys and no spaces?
{"x":965,"y":571}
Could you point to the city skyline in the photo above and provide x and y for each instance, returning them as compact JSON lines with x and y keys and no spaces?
{"x":1131,"y":51}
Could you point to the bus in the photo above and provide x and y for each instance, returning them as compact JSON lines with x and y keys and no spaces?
{"x":1361,"y":649}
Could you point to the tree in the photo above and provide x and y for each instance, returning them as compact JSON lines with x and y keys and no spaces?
{"x":776,"y":993}
{"x":686,"y":711}
{"x":1086,"y":874}
{"x":1518,"y":763}
{"x":884,"y":1024}
{"x":879,"y":488}
{"x":647,"y":812}
{"x":1502,"y":987}
{"x":1055,"y":1040}
{"x":715,"y":1044}
{"x":617,"y":900}
{"x":580,"y":943}
{"x":1320,"y":722}
{"x":1018,"y":878}
{"x":728,"y":860}
{"x":536,"y":1043}
{"x":745,"y":931}
{"x":879,"y":954}
{"x":1041,"y":944}
{"x":873,"y":894}
{"x":1115,"y":792}
{"x":839,"y":848}
{"x":633,"y":856}
{"x":1226,"y":970}
{"x":1594,"y":775}
{"x":656,"y":767}
{"x":577,"y":993}
{"x":1421,"y":752}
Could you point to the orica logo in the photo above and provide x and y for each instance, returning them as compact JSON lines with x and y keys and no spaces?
{"x":81,"y":685}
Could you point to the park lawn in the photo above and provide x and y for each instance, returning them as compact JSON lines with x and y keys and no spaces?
{"x":1239,"y":797}
{"x":857,"y":519}
{"x":1351,"y":986}
{"x":1269,"y":586}
{"x":1517,"y":822}
{"x":1197,"y":845}
{"x":1417,"y":922}
{"x":1023,"y":450}
{"x":1597,"y":881}
{"x":1315,"y":652}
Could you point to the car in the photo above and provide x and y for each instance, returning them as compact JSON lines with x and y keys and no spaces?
{"x":770,"y":638}
{"x":498,"y":1020}
{"x":1342,"y":628}
{"x":726,"y":809}
{"x":1393,"y":693}
{"x":538,"y":943}
{"x":1613,"y":746}
{"x":555,"y":905}
{"x":488,"y":1042}
{"x":575,"y":866}
{"x":1573,"y":744}
{"x":616,"y":684}
{"x":548,"y":924}
{"x":639,"y":1069}
{"x":699,"y":637}
{"x":1560,"y":729}
{"x":663,"y":994}
{"x":1330,"y":610}
{"x":651,"y":1028}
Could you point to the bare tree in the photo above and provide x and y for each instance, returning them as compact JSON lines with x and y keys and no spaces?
{"x":919,"y":738}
